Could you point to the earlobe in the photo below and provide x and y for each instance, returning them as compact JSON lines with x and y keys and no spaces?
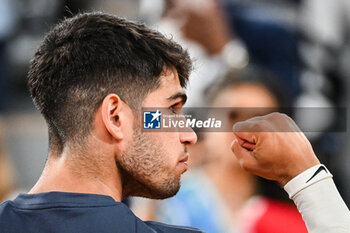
{"x":110,"y":110}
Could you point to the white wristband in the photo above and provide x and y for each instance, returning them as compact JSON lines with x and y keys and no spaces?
{"x":307,"y":178}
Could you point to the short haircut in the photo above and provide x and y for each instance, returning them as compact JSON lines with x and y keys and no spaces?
{"x":86,"y":57}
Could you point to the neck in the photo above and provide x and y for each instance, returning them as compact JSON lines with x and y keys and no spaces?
{"x":65,"y":174}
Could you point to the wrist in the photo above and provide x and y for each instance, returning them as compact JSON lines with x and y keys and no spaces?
{"x":295,"y":172}
{"x":308,"y":177}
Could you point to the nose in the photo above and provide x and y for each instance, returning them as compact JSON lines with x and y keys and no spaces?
{"x":188,"y":138}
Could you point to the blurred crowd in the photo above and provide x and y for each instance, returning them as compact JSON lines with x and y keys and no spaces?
{"x":247,"y":54}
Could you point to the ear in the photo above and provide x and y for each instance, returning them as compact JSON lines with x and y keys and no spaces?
{"x":111,"y":109}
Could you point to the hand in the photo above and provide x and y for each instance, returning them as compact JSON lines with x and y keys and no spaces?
{"x":273,"y":147}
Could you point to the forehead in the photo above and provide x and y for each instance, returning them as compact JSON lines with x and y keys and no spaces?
{"x":170,"y":77}
{"x":246,"y":96}
{"x":169,"y":85}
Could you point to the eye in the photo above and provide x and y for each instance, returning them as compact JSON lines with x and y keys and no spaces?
{"x":176,"y":108}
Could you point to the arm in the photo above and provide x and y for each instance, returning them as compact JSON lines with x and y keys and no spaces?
{"x":318,"y":200}
{"x":273,"y":147}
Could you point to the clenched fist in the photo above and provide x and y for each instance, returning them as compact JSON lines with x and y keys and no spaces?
{"x":273,"y":147}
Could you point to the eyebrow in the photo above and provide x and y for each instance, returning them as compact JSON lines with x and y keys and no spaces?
{"x":177,"y":95}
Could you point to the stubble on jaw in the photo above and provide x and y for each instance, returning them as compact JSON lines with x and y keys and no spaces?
{"x":144,"y":169}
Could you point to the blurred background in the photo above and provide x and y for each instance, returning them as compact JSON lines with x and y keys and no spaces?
{"x":247,"y":53}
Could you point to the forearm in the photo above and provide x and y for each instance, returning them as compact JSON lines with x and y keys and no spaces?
{"x":319,"y":201}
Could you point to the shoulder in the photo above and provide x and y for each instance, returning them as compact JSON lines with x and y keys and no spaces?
{"x":162,"y":227}
{"x":5,"y":206}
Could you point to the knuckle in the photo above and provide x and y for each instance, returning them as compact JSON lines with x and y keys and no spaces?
{"x":285,"y":116}
{"x":275,"y":115}
{"x":259,"y":126}
{"x":237,"y":126}
{"x":241,"y":126}
{"x":244,"y":165}
{"x":279,"y":117}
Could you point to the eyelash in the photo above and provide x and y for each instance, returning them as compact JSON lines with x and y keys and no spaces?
{"x":172,"y":107}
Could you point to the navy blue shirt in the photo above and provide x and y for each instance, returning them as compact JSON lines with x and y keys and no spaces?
{"x":74,"y":212}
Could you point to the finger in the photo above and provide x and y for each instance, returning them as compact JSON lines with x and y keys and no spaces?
{"x":246,"y":144}
{"x":250,"y":131}
{"x":237,"y":150}
{"x":245,"y":158}
{"x":246,"y":138}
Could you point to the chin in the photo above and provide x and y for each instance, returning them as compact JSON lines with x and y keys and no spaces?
{"x":163,"y":190}
{"x":163,"y":195}
{"x":152,"y":189}
{"x":155,"y":194}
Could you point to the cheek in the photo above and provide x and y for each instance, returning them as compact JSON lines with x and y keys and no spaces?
{"x":170,"y":142}
{"x":145,"y":156}
{"x":163,"y":150}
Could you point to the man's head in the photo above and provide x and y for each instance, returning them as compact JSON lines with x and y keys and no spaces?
{"x":86,"y":57}
{"x":92,"y":74}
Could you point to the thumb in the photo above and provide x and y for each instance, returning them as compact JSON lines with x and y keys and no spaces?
{"x":245,"y":157}
{"x":239,"y":151}
{"x":246,"y":144}
{"x":243,"y":132}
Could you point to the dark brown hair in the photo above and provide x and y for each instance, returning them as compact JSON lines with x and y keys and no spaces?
{"x":86,"y":57}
